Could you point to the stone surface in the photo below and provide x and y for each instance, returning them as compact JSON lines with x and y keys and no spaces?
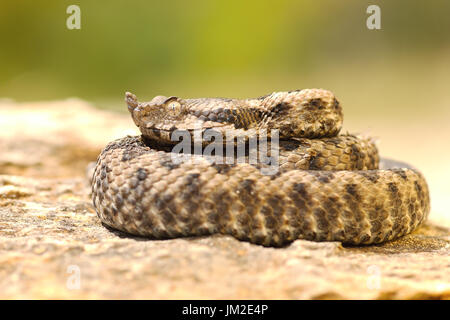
{"x":55,"y":139}
{"x":52,"y":245}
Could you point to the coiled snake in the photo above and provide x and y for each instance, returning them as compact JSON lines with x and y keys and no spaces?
{"x":328,"y":187}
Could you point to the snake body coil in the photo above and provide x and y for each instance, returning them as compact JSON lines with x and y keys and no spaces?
{"x":328,"y":187}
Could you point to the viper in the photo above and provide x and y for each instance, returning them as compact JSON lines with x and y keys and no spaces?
{"x":327,"y":186}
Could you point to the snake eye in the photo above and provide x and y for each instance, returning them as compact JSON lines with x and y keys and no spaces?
{"x":173,"y":107}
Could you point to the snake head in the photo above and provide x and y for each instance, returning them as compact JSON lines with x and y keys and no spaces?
{"x":160,"y":107}
{"x":157,"y":118}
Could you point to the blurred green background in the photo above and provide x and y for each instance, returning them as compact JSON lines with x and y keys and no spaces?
{"x":228,"y":48}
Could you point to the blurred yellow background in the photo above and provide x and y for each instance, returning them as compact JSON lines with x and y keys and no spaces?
{"x":393,"y":82}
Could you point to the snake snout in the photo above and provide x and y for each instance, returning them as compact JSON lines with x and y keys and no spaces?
{"x":131,"y":101}
{"x":132,"y":104}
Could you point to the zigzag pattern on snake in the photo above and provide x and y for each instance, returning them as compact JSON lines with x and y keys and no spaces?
{"x":329,"y":186}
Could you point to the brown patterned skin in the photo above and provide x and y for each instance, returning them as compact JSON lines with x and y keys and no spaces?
{"x":328,"y":187}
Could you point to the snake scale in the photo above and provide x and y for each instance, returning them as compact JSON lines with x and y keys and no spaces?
{"x":328,"y":186}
